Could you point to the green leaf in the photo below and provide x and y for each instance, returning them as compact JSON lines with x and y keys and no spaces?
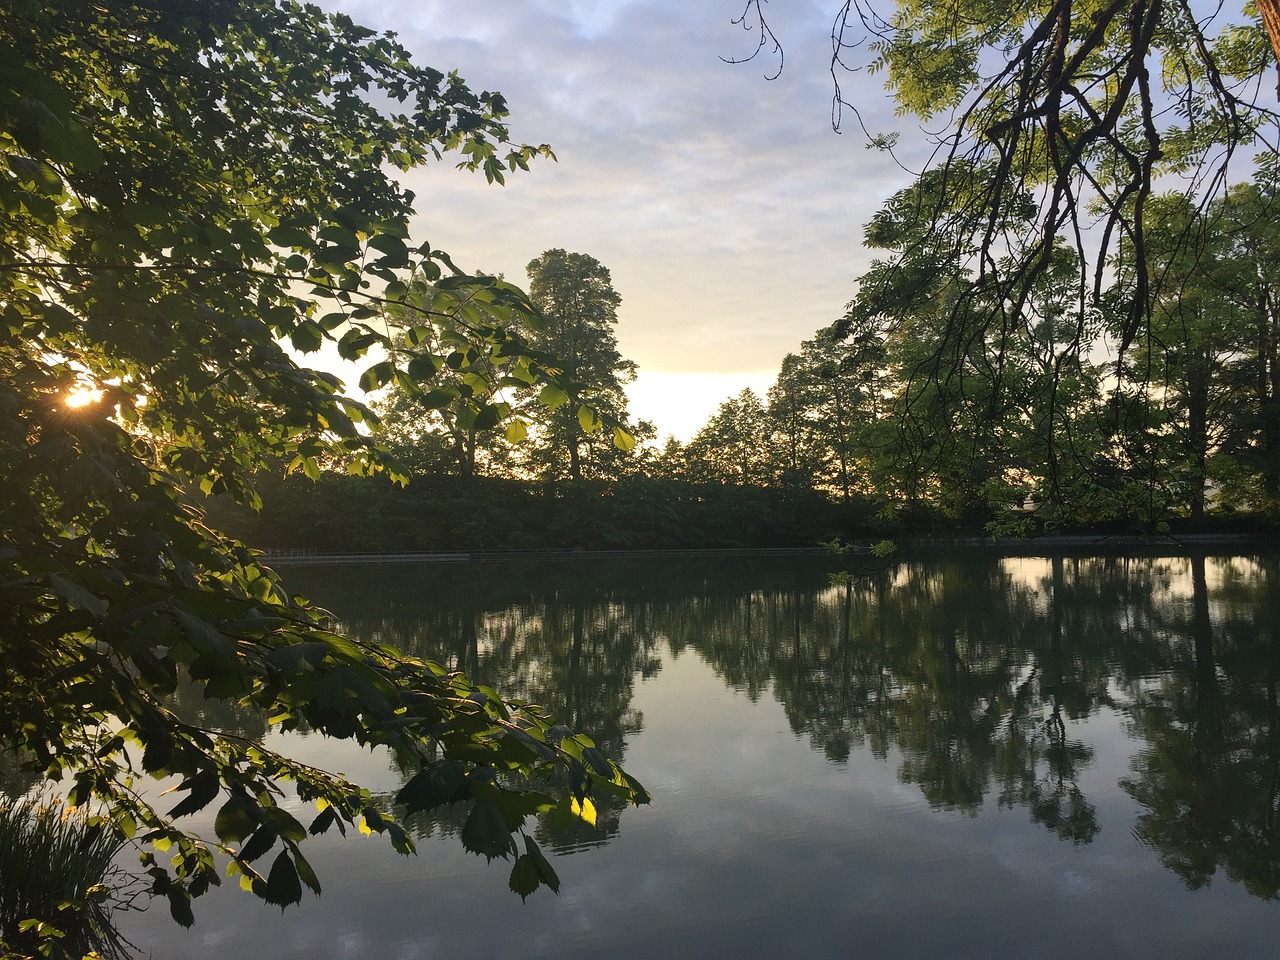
{"x":433,"y":786}
{"x":263,"y":839}
{"x":545,"y":872}
{"x":524,"y":877}
{"x":588,"y":419}
{"x":236,"y":820}
{"x":439,"y":398}
{"x":339,"y":235}
{"x":598,"y":762}
{"x":327,"y":818}
{"x":422,"y":368}
{"x":393,"y":248}
{"x":282,"y":886}
{"x":485,"y":833}
{"x":290,"y":236}
{"x":180,"y":907}
{"x":490,"y":416}
{"x":584,"y":809}
{"x":355,"y":342}
{"x":517,"y":431}
{"x":77,"y":596}
{"x":307,"y":336}
{"x":305,"y":873}
{"x":623,"y":440}
{"x":201,"y":790}
{"x":416,"y":336}
{"x":377,"y":375}
{"x":552,"y":397}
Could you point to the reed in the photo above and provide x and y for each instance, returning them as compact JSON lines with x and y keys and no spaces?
{"x":55,"y":898}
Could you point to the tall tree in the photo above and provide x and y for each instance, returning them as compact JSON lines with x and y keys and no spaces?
{"x":825,"y":402}
{"x":737,"y":445}
{"x":1060,"y":120}
{"x":1206,"y":364}
{"x":186,"y":184}
{"x":579,"y":306}
{"x":1250,"y":218}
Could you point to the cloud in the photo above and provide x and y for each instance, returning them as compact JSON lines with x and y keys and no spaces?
{"x":729,"y":213}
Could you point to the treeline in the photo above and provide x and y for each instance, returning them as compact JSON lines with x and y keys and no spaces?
{"x":932,"y":405}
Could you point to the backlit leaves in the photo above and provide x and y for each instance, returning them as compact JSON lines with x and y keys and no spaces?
{"x":178,"y":215}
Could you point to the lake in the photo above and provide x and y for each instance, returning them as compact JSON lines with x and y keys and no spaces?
{"x":958,"y":756}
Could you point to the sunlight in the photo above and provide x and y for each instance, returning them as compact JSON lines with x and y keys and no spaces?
{"x":83,"y":397}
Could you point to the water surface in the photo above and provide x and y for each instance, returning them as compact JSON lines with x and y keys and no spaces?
{"x":959,"y":757}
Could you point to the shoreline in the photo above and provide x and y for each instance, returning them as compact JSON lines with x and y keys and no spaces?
{"x":1086,"y":544}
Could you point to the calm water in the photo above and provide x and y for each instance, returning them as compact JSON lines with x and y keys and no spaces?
{"x":969,"y":757}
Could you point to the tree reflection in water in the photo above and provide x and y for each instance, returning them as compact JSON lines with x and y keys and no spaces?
{"x":976,"y":676}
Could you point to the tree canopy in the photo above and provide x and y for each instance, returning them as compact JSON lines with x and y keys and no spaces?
{"x":186,"y":186}
{"x":1036,"y":234}
{"x":575,"y":293}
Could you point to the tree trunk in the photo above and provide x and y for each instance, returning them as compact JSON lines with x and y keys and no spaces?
{"x":1269,"y":395}
{"x":1198,"y":433}
{"x":1270,"y":10}
{"x":840,"y":445}
{"x":575,"y":457}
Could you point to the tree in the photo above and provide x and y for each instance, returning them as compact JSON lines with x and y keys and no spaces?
{"x":824,"y":401}
{"x":579,"y":306}
{"x":187,"y":184}
{"x":449,"y":424}
{"x":736,"y":446}
{"x":1209,"y":351}
{"x":1059,"y":122}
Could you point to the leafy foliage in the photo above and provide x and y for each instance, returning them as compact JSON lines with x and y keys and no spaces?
{"x":1055,"y":127}
{"x":185,"y":186}
{"x":575,"y":294}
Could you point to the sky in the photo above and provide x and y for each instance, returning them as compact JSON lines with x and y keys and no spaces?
{"x":728,"y":212}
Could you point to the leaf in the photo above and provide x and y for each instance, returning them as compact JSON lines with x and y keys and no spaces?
{"x":438,"y":398}
{"x":485,"y":833}
{"x":434,"y":786}
{"x":263,"y":839}
{"x":552,"y":397}
{"x":202,"y":788}
{"x":545,"y":871}
{"x":377,"y":375}
{"x":77,"y":596}
{"x":392,"y":248}
{"x":282,"y":886}
{"x":517,"y":432}
{"x":290,"y":236}
{"x":236,"y":819}
{"x":328,"y":816}
{"x":180,"y":907}
{"x":422,"y":368}
{"x":307,"y":336}
{"x":524,"y":877}
{"x":598,"y":762}
{"x":588,"y":419}
{"x":623,"y":440}
{"x":204,"y":636}
{"x":306,"y":873}
{"x":339,"y":235}
{"x":584,"y":809}
{"x":490,"y":416}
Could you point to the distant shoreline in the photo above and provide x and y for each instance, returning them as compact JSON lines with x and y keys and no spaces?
{"x":1085,"y":543}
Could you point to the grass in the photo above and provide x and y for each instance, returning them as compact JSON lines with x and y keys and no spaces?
{"x":54,"y":896}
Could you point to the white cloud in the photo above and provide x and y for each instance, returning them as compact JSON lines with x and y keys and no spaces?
{"x":729,"y":213}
